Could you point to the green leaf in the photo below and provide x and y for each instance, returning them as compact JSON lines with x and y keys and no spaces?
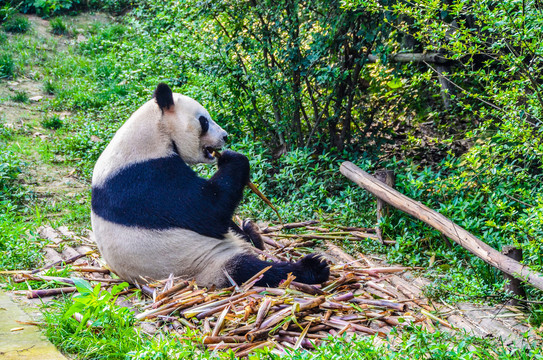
{"x":395,"y":84}
{"x":82,"y":286}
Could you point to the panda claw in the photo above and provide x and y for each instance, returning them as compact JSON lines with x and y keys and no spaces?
{"x":314,"y":269}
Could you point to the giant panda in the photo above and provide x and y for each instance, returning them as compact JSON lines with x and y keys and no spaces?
{"x":152,"y":216}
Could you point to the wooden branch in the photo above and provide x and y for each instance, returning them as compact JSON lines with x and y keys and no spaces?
{"x":514,"y":285}
{"x":444,"y":225}
{"x":414,"y":57}
{"x":386,"y":176}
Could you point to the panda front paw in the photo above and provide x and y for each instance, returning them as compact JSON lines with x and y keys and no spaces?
{"x":236,"y":164}
{"x":312,"y":269}
{"x":229,"y":156}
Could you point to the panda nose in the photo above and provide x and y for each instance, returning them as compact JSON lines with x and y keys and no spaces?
{"x":225,"y":138}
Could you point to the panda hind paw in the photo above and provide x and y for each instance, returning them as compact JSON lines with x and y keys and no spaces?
{"x":314,"y":269}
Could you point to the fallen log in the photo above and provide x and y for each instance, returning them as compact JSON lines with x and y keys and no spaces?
{"x":443,"y":224}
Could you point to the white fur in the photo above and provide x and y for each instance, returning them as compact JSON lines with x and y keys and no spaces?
{"x":133,"y":252}
{"x":148,"y":134}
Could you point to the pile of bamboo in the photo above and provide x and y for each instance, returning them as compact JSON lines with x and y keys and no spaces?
{"x":361,"y":298}
{"x":245,"y":317}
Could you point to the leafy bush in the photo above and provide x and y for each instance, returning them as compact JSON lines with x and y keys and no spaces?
{"x":19,"y":248}
{"x":10,"y":168}
{"x":20,"y":96}
{"x":58,"y":27}
{"x":17,"y":24}
{"x":7,"y":66}
{"x":52,"y":122}
{"x":54,"y":7}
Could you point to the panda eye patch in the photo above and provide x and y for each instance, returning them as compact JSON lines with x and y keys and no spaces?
{"x":204,"y":123}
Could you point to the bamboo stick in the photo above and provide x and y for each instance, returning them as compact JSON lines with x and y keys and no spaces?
{"x":32,"y":294}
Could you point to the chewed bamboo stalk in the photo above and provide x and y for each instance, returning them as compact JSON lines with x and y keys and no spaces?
{"x":435,"y":318}
{"x":289,"y":226}
{"x":262,"y":311}
{"x":306,"y":288}
{"x":32,"y":294}
{"x":220,"y":321}
{"x":225,"y":339}
{"x":260,"y":345}
{"x":195,"y":311}
{"x":381,"y":303}
{"x":302,"y":336}
{"x":249,"y":283}
{"x":173,"y":290}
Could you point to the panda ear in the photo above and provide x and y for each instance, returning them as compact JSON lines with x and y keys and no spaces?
{"x":163,"y":96}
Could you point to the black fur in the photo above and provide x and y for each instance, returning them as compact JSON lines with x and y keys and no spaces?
{"x":166,"y":193}
{"x":249,"y":233}
{"x":163,"y":96}
{"x":311,"y":269}
{"x":204,"y":123}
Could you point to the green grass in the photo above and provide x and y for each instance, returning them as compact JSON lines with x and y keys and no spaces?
{"x":52,"y":122}
{"x":119,"y":339}
{"x":58,"y":27}
{"x":7,"y":66}
{"x":20,"y":97}
{"x":17,"y":24}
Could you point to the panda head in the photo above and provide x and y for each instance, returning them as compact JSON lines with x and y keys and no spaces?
{"x":194,"y":136}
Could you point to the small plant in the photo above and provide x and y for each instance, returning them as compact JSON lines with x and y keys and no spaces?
{"x":49,"y":87}
{"x":17,"y":24}
{"x":54,"y":122}
{"x":58,"y":27}
{"x":20,"y":97}
{"x":7,"y":65}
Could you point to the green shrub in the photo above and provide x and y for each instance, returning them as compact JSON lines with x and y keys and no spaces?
{"x":17,"y":24}
{"x":58,"y":27}
{"x":53,"y":122}
{"x":55,"y":7}
{"x":7,"y":66}
{"x":19,"y":248}
{"x":49,"y":87}
{"x":20,"y":96}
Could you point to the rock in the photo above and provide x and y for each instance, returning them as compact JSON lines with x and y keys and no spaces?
{"x":95,"y":138}
{"x":36,"y":98}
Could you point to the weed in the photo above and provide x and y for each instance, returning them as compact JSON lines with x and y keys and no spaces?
{"x":7,"y":65}
{"x":58,"y":27}
{"x":52,"y":122}
{"x":19,"y":246}
{"x":17,"y":24}
{"x":20,"y":97}
{"x":49,"y":87}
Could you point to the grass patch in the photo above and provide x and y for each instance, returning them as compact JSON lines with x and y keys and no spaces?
{"x":17,"y":24}
{"x":119,"y":339}
{"x":58,"y":27}
{"x":7,"y":66}
{"x":52,"y":122}
{"x":20,"y":97}
{"x":49,"y":87}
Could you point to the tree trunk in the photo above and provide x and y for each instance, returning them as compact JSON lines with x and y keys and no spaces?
{"x":444,"y":225}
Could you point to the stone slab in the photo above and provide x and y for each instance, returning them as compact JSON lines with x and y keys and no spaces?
{"x":20,"y":341}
